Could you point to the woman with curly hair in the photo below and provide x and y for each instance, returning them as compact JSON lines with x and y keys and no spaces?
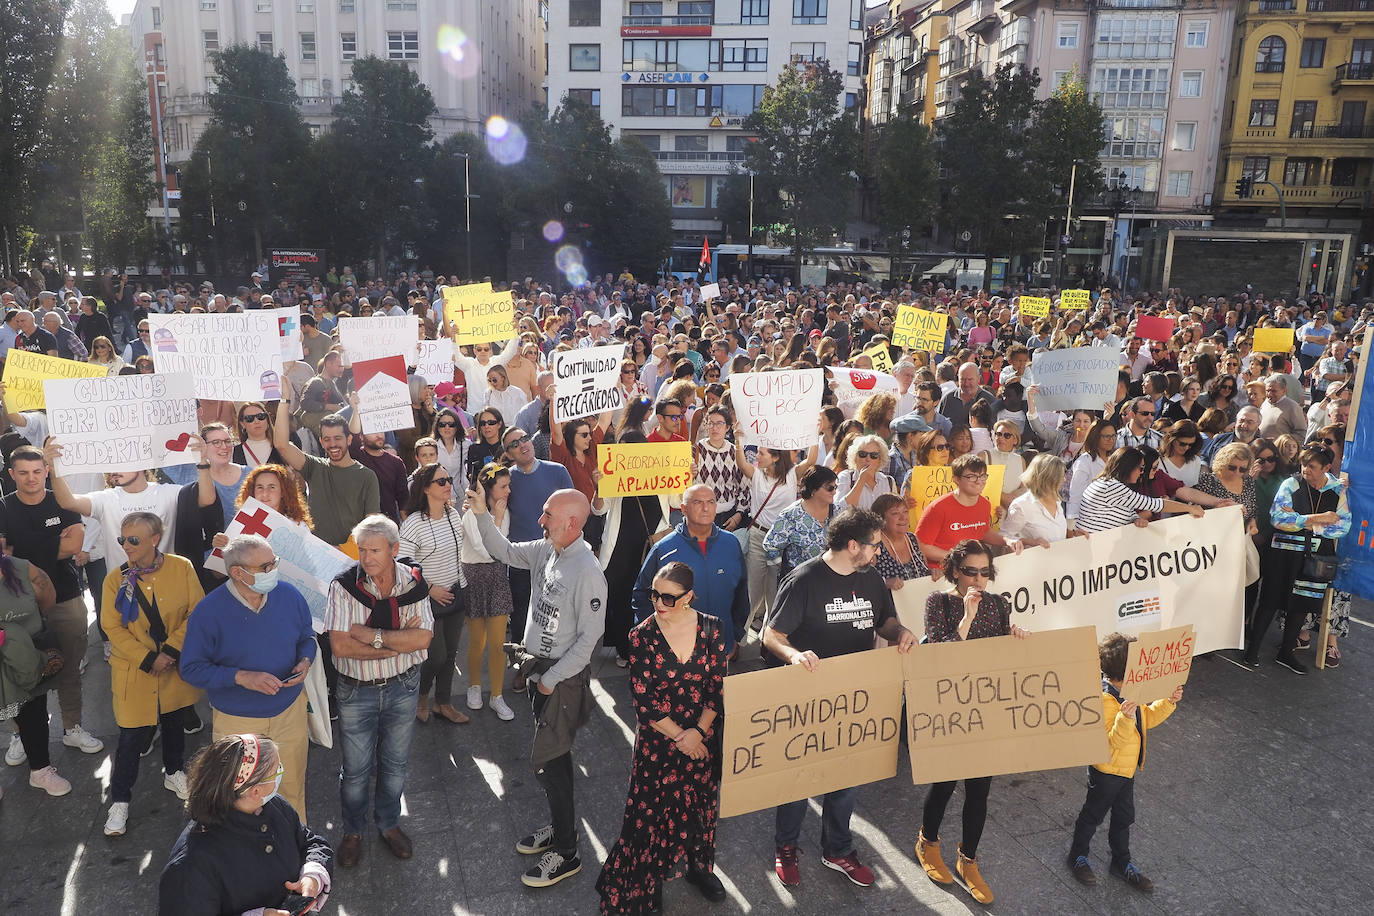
{"x":275,"y":487}
{"x":876,"y":413}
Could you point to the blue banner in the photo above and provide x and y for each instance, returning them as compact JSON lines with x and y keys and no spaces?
{"x":1357,"y":548}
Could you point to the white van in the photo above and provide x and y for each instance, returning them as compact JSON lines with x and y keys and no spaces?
{"x":953,"y":270}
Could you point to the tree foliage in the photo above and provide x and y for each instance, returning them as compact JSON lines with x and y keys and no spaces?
{"x":121,"y":175}
{"x":905,"y":174}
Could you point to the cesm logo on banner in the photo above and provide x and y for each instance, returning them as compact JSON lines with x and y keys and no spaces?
{"x":1140,"y":611}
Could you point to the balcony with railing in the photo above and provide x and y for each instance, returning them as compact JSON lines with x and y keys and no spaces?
{"x":1355,"y":72}
{"x":1332,"y":132}
{"x":697,"y":156}
{"x":665,"y":20}
{"x":1277,"y":6}
{"x":1340,"y":6}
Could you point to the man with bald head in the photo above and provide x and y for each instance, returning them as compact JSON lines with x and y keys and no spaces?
{"x":567,"y":617}
{"x":956,"y":404}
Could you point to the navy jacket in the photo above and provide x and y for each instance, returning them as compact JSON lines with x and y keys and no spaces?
{"x":722,"y":583}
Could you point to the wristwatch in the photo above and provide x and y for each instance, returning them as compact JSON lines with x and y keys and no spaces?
{"x":377,"y":640}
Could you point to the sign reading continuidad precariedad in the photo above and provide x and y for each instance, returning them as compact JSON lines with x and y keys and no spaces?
{"x":791,"y":734}
{"x":26,"y":372}
{"x":122,"y":422}
{"x":1159,"y":663}
{"x":478,"y":314}
{"x":779,"y":409}
{"x":587,"y":382}
{"x":645,"y":468}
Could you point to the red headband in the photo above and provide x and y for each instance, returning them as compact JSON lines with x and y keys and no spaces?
{"x":249,"y":762}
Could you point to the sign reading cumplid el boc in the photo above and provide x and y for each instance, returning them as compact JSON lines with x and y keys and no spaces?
{"x":233,"y":357}
{"x":587,"y":382}
{"x":779,"y":409}
{"x":123,"y":422}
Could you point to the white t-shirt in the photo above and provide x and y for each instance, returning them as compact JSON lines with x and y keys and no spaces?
{"x":760,"y":485}
{"x":110,"y":506}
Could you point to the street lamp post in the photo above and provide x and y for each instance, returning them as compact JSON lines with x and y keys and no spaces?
{"x":467,"y":213}
{"x":751,"y":225}
{"x":151,"y":69}
{"x":1068,"y":220}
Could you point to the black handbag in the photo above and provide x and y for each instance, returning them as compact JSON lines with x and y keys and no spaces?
{"x":1319,"y":567}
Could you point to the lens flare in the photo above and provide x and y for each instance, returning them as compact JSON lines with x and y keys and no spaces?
{"x":569,"y":262}
{"x":457,"y":53}
{"x":553,"y":231}
{"x":505,"y":140}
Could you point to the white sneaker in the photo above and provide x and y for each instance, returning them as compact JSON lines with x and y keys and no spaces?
{"x":118,"y":820}
{"x":176,"y":782}
{"x":503,"y":712}
{"x":82,"y":740}
{"x":48,"y":780}
{"x":16,"y":754}
{"x":475,"y":697}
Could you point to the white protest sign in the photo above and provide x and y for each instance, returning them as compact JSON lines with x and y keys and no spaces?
{"x":306,"y":562}
{"x":1169,"y":573}
{"x":434,"y":361}
{"x":1079,"y":377}
{"x":853,"y":385}
{"x":779,"y":409}
{"x":231,"y":357}
{"x":710,"y":291}
{"x":383,"y":394}
{"x":122,"y":422}
{"x":586,"y":382}
{"x":289,"y":327}
{"x":380,"y":335}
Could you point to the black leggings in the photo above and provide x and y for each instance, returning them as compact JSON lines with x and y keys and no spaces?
{"x":975,"y":811}
{"x":33,"y":730}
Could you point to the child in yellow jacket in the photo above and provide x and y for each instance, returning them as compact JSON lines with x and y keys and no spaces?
{"x":1111,"y":785}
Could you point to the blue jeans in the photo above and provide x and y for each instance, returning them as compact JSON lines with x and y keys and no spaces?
{"x":375,"y":725}
{"x":134,"y":740}
{"x":836,"y":809}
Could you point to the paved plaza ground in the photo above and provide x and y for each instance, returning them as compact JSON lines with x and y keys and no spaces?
{"x":1255,"y":799}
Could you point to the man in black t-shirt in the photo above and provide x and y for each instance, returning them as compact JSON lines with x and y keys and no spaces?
{"x":48,"y":536}
{"x":832,"y":605}
{"x":31,"y":337}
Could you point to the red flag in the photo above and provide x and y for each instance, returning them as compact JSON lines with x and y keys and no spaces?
{"x":705,"y":252}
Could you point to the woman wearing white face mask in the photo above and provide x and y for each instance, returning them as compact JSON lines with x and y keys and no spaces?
{"x":146,"y":606}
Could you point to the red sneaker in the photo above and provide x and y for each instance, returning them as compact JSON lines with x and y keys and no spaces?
{"x":853,"y":869}
{"x":786,"y":865}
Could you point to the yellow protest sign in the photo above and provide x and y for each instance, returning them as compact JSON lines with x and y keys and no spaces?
{"x":918,"y":329}
{"x":640,"y":469}
{"x":1074,"y":299}
{"x":478,"y":314}
{"x":1273,"y":340}
{"x":25,"y":372}
{"x":929,"y":483}
{"x":1035,"y":306}
{"x":881,"y":357}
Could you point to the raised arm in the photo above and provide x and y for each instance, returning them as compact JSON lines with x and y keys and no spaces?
{"x":281,"y":431}
{"x":81,"y":505}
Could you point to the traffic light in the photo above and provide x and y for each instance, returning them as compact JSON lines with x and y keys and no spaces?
{"x":1245,"y":185}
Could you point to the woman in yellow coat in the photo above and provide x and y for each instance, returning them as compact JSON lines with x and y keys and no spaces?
{"x":147,"y":603}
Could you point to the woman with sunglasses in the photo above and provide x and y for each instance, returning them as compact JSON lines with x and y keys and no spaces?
{"x":491,"y":427}
{"x":1179,"y":452}
{"x":1006,"y":439}
{"x":573,"y":445}
{"x":255,"y":437}
{"x":969,"y":609}
{"x":501,"y":394}
{"x":1098,"y":445}
{"x":488,"y":597}
{"x":1221,"y":394}
{"x":677,"y":672}
{"x":862,"y":481}
{"x":798,"y":532}
{"x":1333,"y":438}
{"x":1115,"y":498}
{"x":452,"y":449}
{"x":145,"y":607}
{"x":932,"y":450}
{"x":103,"y":354}
{"x":220,"y":862}
{"x":432,"y":536}
{"x":899,"y":555}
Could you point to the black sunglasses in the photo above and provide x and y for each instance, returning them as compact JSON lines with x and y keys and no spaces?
{"x":516,"y":443}
{"x":479,"y":423}
{"x":132,"y":540}
{"x":971,"y":571}
{"x":451,"y":425}
{"x":253,"y":417}
{"x":442,"y":481}
{"x":667,"y":599}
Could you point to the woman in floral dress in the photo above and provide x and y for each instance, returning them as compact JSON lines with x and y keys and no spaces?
{"x":677,"y":669}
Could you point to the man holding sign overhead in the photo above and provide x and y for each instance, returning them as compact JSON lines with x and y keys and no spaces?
{"x":832,"y":605}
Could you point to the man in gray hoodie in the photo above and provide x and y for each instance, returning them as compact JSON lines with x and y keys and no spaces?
{"x":567,"y":617}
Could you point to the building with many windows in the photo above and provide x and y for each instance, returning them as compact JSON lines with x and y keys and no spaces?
{"x":690,"y":72}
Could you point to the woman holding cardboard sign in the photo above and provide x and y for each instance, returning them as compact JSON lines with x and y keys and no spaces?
{"x":967,"y":610}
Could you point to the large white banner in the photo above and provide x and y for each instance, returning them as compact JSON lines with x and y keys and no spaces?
{"x":122,"y":422}
{"x":854,"y":385}
{"x":587,"y":382}
{"x":380,"y":335}
{"x":1178,"y":571}
{"x":1079,"y":377}
{"x":779,"y":409}
{"x":231,"y":357}
{"x":434,"y":360}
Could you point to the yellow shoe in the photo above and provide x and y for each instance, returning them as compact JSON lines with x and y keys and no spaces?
{"x":968,"y":871}
{"x":928,"y":854}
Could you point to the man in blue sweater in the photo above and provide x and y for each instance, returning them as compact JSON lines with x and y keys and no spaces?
{"x":249,"y":645}
{"x":716,"y":559}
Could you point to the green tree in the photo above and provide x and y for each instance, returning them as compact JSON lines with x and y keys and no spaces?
{"x":444,"y":186}
{"x":121,"y":182}
{"x":807,"y":148}
{"x":1068,"y":130}
{"x":30,"y":35}
{"x":905,"y":176}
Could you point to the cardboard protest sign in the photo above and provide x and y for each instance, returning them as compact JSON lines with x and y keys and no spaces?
{"x":586,"y":382}
{"x":1154,"y":327}
{"x":854,"y":385}
{"x":881,"y":357}
{"x":383,"y":394}
{"x":986,"y":707}
{"x":1074,"y":299}
{"x":380,"y":335}
{"x":1159,"y":663}
{"x":929,"y":483}
{"x":1077,"y":377}
{"x":306,"y":562}
{"x":910,"y":601}
{"x":1273,"y":340}
{"x":640,"y":469}
{"x":1178,"y":571}
{"x":25,"y":373}
{"x":779,"y":409}
{"x":1034,"y":306}
{"x":231,"y":357}
{"x":792,"y":734}
{"x":710,"y":291}
{"x":122,"y":422}
{"x":434,"y":360}
{"x":918,"y":329}
{"x":289,"y":328}
{"x":478,"y":314}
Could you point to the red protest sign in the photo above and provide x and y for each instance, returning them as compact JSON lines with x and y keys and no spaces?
{"x":1154,"y":327}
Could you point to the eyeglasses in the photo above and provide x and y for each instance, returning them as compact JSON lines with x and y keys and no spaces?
{"x":1005,"y":435}
{"x":253,"y":417}
{"x":667,"y":599}
{"x":1187,"y":443}
{"x":627,"y":372}
{"x":265,"y":567}
{"x":479,"y":423}
{"x":832,"y":487}
{"x":1237,"y":468}
{"x":870,"y":454}
{"x":1144,"y":413}
{"x":220,"y":443}
{"x":973,"y":571}
{"x":1268,"y":459}
{"x":451,"y":425}
{"x":1327,"y":441}
{"x":516,"y":443}
{"x":442,"y":481}
{"x":144,"y":331}
{"x":982,"y":477}
{"x":940,"y":447}
{"x":132,"y":540}
{"x":671,"y":416}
